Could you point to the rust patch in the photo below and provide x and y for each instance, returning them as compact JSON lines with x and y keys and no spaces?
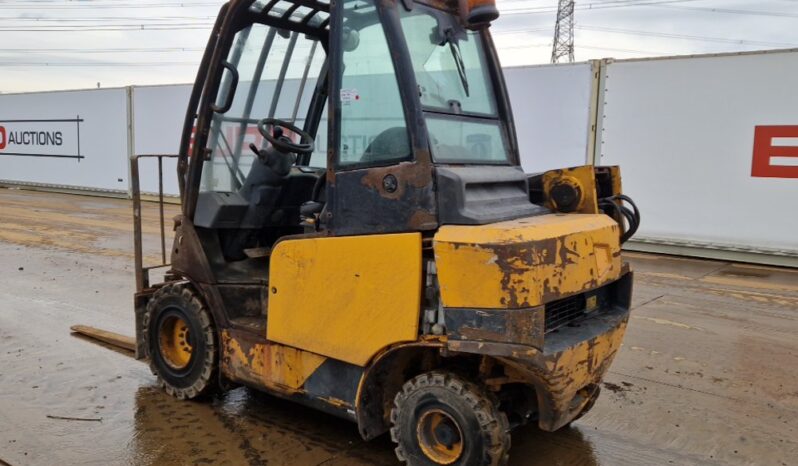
{"x":248,"y":360}
{"x":362,"y":204}
{"x":519,"y":326}
{"x":566,"y":253}
{"x":408,"y":174}
{"x":238,"y":361}
{"x":422,"y":220}
{"x":515,"y":260}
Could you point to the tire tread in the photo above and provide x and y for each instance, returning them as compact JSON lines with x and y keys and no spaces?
{"x":207,"y":383}
{"x":494,"y":425}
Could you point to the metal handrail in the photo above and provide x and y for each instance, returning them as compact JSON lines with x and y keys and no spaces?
{"x":142,"y":272}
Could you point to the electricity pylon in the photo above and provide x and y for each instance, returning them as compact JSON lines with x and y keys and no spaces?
{"x":564,"y":32}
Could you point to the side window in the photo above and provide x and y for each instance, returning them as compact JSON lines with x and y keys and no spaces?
{"x":373,"y":129}
{"x":258,"y":55}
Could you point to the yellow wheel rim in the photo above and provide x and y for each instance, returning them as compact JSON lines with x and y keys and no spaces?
{"x":174,"y":342}
{"x":440,"y":437}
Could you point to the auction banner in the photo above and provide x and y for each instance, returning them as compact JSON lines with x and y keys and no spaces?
{"x":41,"y":138}
{"x":75,"y":139}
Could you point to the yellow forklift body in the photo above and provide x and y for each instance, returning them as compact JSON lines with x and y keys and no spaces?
{"x":526,"y":262}
{"x":345,"y":297}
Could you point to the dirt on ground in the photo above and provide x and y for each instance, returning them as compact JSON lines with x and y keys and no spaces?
{"x":707,"y":373}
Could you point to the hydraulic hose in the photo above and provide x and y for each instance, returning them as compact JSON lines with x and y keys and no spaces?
{"x":628,"y":218}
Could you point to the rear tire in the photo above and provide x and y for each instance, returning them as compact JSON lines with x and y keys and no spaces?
{"x":181,"y":342}
{"x":439,"y":418}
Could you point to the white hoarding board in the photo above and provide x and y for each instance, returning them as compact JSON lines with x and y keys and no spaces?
{"x":552,"y":109}
{"x":74,"y":139}
{"x":551,"y":106}
{"x":683,"y":132}
{"x":158,"y":115}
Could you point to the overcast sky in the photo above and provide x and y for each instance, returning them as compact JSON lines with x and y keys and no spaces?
{"x":74,"y":44}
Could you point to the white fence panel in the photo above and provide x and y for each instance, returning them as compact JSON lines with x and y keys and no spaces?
{"x":552,"y":109}
{"x":158,"y":114}
{"x":73,"y":139}
{"x":551,"y":106}
{"x":683,"y":132}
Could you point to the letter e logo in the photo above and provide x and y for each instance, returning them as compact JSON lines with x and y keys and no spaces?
{"x":775,"y":152}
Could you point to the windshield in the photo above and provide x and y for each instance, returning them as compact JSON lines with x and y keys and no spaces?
{"x":448,"y":62}
{"x":454,"y":87}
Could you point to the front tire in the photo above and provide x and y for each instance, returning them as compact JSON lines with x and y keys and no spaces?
{"x":181,"y":342}
{"x":440,"y":418}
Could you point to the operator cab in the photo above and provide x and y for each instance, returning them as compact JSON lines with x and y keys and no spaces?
{"x":387,"y":117}
{"x":262,"y":161}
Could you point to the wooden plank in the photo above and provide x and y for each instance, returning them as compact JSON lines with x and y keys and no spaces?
{"x":111,"y":338}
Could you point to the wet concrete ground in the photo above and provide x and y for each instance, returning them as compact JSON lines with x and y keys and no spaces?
{"x":707,"y":373}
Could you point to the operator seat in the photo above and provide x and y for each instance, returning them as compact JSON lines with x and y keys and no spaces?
{"x":391,"y":144}
{"x":261,"y":193}
{"x":263,"y":185}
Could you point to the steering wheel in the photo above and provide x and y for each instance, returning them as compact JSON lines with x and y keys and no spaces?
{"x":281,"y":143}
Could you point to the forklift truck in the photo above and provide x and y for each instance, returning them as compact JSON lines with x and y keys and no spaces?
{"x":357,"y":233}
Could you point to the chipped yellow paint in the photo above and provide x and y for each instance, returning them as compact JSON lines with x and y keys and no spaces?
{"x":603,"y":254}
{"x":271,"y":365}
{"x":562,"y":375}
{"x":526,"y":262}
{"x":289,"y":366}
{"x":346,"y":297}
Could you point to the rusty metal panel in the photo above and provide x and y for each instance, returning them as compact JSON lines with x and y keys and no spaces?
{"x":519,"y":326}
{"x":248,"y":358}
{"x":390,"y":199}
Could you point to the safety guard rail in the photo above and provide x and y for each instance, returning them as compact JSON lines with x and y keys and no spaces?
{"x":142,"y":272}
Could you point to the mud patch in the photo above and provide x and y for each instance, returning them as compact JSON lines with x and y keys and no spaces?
{"x":617,"y":389}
